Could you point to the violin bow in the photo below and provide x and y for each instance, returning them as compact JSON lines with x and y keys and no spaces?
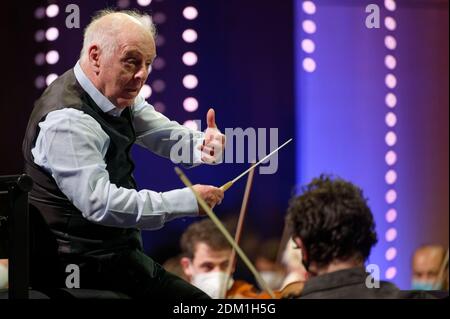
{"x":225,"y":232}
{"x":240,"y":227}
{"x":226,"y":186}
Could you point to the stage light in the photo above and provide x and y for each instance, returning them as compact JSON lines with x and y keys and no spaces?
{"x":309,"y":26}
{"x":144,"y":3}
{"x":123,"y":4}
{"x":391,"y":81}
{"x":308,"y":45}
{"x":39,"y":36}
{"x":190,"y":104}
{"x":390,"y":42}
{"x":190,"y":81}
{"x":39,"y":59}
{"x":390,"y":5}
{"x":190,"y":58}
{"x":52,"y":34}
{"x":391,"y":138}
{"x":390,"y":254}
{"x":159,"y":18}
{"x":391,"y":158}
{"x":390,"y":177}
{"x":160,"y":40}
{"x":391,"y":100}
{"x":39,"y":82}
{"x":391,"y":215}
{"x":391,"y":196}
{"x":159,"y":63}
{"x":191,"y":124}
{"x":52,"y":10}
{"x":390,"y":23}
{"x":146,"y":91}
{"x":391,"y":234}
{"x":190,"y":35}
{"x":39,"y":13}
{"x":309,"y":7}
{"x":390,"y":62}
{"x":391,"y":272}
{"x":391,"y":119}
{"x":309,"y":65}
{"x":52,"y":57}
{"x":50,"y":78}
{"x":190,"y":13}
{"x":158,"y":86}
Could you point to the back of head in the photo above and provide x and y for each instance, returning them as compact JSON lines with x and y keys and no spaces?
{"x":333,"y":221}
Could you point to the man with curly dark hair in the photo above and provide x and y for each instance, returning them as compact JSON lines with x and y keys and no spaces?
{"x":334,"y":228}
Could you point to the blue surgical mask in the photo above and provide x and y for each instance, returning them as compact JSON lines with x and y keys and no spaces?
{"x":425,"y":285}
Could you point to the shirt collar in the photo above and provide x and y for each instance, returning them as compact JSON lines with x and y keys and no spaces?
{"x":102,"y":101}
{"x":336,"y":279}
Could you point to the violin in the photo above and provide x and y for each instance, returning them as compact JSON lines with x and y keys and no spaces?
{"x":244,"y":290}
{"x":292,"y":290}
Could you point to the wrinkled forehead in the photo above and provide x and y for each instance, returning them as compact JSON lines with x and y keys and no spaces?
{"x":140,"y":42}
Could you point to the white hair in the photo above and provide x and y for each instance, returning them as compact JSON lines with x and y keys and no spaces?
{"x":106,"y":38}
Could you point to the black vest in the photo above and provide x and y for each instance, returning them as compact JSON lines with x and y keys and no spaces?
{"x":74,"y":233}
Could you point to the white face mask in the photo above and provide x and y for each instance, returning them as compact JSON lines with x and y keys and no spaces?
{"x":273,"y":279}
{"x":211,"y":283}
{"x":3,"y":277}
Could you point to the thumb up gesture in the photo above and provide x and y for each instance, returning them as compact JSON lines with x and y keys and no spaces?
{"x":214,"y":142}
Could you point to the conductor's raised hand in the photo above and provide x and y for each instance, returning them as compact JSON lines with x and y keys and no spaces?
{"x":214,"y":142}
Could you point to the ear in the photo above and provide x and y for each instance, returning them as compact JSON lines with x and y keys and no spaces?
{"x":94,"y":58}
{"x":298,"y":241}
{"x":185,"y":263}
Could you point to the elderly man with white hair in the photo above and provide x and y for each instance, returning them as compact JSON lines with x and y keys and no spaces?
{"x":77,"y":150}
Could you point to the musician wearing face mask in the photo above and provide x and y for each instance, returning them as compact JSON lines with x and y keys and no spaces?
{"x":426,"y":264}
{"x":206,"y":255}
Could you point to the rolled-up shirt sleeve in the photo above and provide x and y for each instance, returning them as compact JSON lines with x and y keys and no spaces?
{"x":71,"y":146}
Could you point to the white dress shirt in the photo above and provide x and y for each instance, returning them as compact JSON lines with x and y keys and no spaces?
{"x":71,"y":146}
